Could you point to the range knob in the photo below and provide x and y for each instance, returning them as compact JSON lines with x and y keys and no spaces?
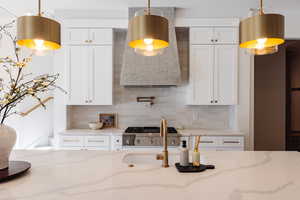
{"x":138,"y":141}
{"x":151,"y":141}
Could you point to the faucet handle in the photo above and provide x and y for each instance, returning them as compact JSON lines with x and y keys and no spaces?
{"x":159,"y":157}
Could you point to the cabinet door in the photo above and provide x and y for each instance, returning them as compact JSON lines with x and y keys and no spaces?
{"x":101,"y":74}
{"x":226,"y":73}
{"x":201,"y":35}
{"x":200,"y":90}
{"x":101,"y":36}
{"x":77,"y":72}
{"x":78,"y":36}
{"x":226,"y":35}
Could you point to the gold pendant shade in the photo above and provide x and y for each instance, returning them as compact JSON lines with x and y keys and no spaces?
{"x":262,"y":31}
{"x":38,"y":32}
{"x":148,"y":30}
{"x":148,"y":33}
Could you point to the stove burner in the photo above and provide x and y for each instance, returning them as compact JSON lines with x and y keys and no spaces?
{"x":148,"y":130}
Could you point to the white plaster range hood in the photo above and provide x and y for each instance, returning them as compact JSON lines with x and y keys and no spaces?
{"x":160,"y":70}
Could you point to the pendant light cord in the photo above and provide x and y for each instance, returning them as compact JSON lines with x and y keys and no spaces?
{"x":148,"y":9}
{"x":39,"y":3}
{"x":261,"y":11}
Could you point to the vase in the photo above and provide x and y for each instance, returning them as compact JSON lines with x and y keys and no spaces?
{"x":8,"y":138}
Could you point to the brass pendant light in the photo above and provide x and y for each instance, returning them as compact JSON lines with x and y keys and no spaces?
{"x":148,"y":34}
{"x":263,"y":33}
{"x":38,"y":32}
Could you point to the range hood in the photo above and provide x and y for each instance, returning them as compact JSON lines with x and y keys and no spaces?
{"x":160,"y":70}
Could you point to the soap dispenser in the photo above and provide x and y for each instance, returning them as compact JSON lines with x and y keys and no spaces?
{"x":184,"y":154}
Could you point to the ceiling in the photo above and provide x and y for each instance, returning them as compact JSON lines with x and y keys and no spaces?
{"x":187,"y":8}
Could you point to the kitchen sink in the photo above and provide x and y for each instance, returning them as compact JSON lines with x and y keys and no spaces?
{"x":150,"y":159}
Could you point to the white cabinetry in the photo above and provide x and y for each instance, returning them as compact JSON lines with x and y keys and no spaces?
{"x":213,"y":66}
{"x":90,"y":67}
{"x":83,"y":36}
{"x":214,"y":35}
{"x":219,"y":143}
{"x":84,"y":142}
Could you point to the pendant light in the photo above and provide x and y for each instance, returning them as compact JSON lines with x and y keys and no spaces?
{"x":262,"y":33}
{"x":38,"y":32}
{"x":148,"y":32}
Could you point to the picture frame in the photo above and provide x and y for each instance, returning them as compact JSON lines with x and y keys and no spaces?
{"x":109,"y":120}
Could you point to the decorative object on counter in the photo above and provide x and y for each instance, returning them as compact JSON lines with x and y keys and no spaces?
{"x":15,"y":169}
{"x":108,"y":120}
{"x":14,"y":89}
{"x":149,"y":100}
{"x":193,"y":169}
{"x":196,"y":153}
{"x":184,"y":154}
{"x":95,"y":125}
{"x":262,"y":34}
{"x":148,"y":32}
{"x":37,"y":32}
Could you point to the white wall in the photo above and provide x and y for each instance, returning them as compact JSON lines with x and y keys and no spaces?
{"x":36,"y":127}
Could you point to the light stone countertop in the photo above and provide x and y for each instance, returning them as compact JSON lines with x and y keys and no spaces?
{"x":93,"y":175}
{"x":209,"y":132}
{"x":84,"y":132}
{"x":183,"y":132}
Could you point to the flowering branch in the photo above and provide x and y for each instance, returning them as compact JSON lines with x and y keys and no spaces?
{"x":17,"y":89}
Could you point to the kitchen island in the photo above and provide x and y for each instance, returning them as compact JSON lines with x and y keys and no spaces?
{"x":89,"y":175}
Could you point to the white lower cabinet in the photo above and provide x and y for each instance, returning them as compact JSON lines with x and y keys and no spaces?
{"x":84,"y":142}
{"x":219,"y":143}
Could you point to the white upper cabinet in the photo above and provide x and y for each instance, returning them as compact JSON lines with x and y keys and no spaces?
{"x":86,"y":36}
{"x":213,"y":75}
{"x":214,"y":35}
{"x":200,"y":89}
{"x":226,"y":74}
{"x":202,"y":35}
{"x":77,"y":36}
{"x":77,"y":74}
{"x":90,"y":69}
{"x":101,"y":36}
{"x":101,"y":76}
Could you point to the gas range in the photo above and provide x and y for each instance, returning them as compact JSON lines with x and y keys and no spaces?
{"x":149,"y":136}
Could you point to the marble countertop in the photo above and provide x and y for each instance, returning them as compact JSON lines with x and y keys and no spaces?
{"x":83,"y":132}
{"x":78,"y":175}
{"x":183,"y":132}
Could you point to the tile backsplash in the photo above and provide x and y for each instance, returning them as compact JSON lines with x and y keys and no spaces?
{"x":169,"y":102}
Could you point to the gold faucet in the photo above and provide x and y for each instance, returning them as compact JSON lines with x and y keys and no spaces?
{"x":164,"y":156}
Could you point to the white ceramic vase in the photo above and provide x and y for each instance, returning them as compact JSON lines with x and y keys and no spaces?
{"x":8,"y":138}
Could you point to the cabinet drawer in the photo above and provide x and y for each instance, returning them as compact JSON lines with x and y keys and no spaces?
{"x":232,"y":141}
{"x":71,"y":141}
{"x":96,"y":141}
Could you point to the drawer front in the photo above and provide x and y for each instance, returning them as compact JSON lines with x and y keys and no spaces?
{"x":97,"y":141}
{"x":232,"y":142}
{"x":205,"y":141}
{"x":71,"y":141}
